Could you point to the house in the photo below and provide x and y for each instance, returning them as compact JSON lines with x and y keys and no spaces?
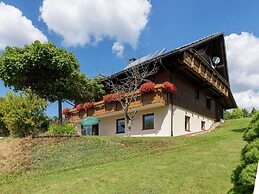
{"x":199,"y":71}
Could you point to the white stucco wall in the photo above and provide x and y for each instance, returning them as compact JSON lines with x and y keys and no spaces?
{"x":162,"y":123}
{"x":165,"y":116}
{"x":195,"y":121}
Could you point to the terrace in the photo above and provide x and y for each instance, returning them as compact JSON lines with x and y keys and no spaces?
{"x":158,"y":97}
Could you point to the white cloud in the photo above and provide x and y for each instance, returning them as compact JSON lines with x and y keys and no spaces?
{"x":82,"y":22}
{"x":243,"y":61}
{"x":248,"y":99}
{"x":118,"y":48}
{"x":16,"y":29}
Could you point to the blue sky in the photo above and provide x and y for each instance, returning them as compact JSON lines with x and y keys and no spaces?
{"x":152,"y":25}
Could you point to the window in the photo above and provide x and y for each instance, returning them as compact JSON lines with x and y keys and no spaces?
{"x":120,"y":125}
{"x":187,"y":123}
{"x":208,"y":103}
{"x":197,"y":94}
{"x":148,"y":121}
{"x":203,"y":125}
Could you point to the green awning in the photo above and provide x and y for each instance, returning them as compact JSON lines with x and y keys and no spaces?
{"x":90,"y":121}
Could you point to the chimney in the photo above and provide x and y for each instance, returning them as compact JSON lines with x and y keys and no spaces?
{"x":132,"y":60}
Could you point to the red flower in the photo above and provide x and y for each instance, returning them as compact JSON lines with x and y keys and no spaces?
{"x":112,"y":97}
{"x":170,"y":87}
{"x":147,"y":87}
{"x":79,"y":107}
{"x":65,"y":111}
{"x":89,"y":105}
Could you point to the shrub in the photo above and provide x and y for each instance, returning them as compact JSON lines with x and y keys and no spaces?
{"x":79,"y":107}
{"x":65,"y":111}
{"x":245,"y":112}
{"x":89,"y":105}
{"x":3,"y":129}
{"x":237,"y":113}
{"x":170,"y":87}
{"x":22,"y":113}
{"x":244,"y":175}
{"x":112,"y":97}
{"x":252,"y":132}
{"x":227,"y":115}
{"x":64,"y":129}
{"x":253,"y":112}
{"x":147,"y":87}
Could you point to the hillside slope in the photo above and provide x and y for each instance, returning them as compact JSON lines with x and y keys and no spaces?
{"x":198,"y":164}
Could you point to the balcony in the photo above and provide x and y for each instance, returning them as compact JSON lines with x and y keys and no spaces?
{"x":101,"y":109}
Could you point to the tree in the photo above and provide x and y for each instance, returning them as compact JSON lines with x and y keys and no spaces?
{"x":253,"y":112}
{"x":244,"y":175}
{"x":23,"y":114}
{"x":237,"y":113}
{"x":84,"y":89}
{"x":245,"y":112}
{"x":227,"y":115}
{"x":126,"y":87}
{"x":50,"y":72}
{"x":3,"y":129}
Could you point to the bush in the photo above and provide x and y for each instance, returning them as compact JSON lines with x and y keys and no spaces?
{"x":147,"y":87}
{"x":252,"y":132}
{"x":44,"y":124}
{"x":64,"y":129}
{"x":245,"y":113}
{"x":253,"y":112}
{"x":4,"y":132}
{"x":237,"y":113}
{"x":244,"y":175}
{"x":227,"y":115}
{"x":23,"y":113}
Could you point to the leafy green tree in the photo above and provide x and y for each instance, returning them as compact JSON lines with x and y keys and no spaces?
{"x":245,"y":112}
{"x":23,"y":114}
{"x":244,"y":175}
{"x":253,"y":112}
{"x":3,"y":129}
{"x":237,"y":114}
{"x":84,"y":89}
{"x":227,"y":115}
{"x":50,"y":72}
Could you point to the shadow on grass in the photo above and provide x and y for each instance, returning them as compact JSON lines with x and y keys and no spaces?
{"x":240,"y":130}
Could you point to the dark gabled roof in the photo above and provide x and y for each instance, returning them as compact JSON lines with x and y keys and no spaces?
{"x":177,"y":50}
{"x":199,"y":43}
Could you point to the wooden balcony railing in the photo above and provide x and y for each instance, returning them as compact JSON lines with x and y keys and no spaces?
{"x":206,"y":72}
{"x":101,"y":108}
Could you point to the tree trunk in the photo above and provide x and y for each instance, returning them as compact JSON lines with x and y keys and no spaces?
{"x":128,"y":125}
{"x":60,"y":111}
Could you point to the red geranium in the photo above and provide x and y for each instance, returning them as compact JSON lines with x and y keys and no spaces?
{"x":170,"y":87}
{"x":79,"y":107}
{"x":89,"y":105}
{"x":112,"y":97}
{"x":65,"y":111}
{"x":147,"y":87}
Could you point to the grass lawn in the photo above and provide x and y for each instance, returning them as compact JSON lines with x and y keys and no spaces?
{"x":198,"y":164}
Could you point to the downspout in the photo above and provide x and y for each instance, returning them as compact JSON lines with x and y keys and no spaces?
{"x":171,"y":108}
{"x":170,"y":99}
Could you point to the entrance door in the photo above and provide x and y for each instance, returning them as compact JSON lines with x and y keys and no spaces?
{"x":95,"y":129}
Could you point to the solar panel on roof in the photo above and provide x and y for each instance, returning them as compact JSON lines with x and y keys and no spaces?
{"x":146,"y":58}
